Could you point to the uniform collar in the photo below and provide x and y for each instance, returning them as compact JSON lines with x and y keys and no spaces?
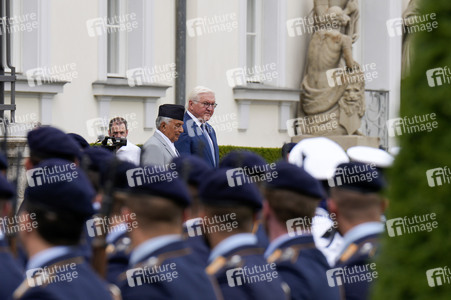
{"x":232,"y":242}
{"x":152,"y":245}
{"x":277,"y":242}
{"x":43,"y":257}
{"x":360,"y":231}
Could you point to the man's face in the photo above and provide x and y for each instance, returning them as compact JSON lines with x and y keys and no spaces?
{"x":172,"y":130}
{"x":118,"y":131}
{"x":199,"y":108}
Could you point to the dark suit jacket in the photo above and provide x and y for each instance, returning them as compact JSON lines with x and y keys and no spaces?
{"x":193,"y":141}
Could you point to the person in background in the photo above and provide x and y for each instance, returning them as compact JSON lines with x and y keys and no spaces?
{"x":118,"y":129}
{"x":199,"y":137}
{"x":160,"y":149}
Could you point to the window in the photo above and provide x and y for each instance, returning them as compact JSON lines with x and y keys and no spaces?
{"x":253,"y":34}
{"x":116,"y":39}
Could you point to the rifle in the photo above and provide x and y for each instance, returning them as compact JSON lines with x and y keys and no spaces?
{"x":99,"y":257}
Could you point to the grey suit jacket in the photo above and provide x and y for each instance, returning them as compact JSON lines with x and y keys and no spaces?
{"x":156,"y":151}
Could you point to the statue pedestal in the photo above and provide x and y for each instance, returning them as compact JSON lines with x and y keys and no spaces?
{"x":345,"y":141}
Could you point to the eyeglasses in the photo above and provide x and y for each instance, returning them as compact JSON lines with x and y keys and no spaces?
{"x":207,"y":104}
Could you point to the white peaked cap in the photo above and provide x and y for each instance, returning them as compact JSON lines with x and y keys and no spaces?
{"x":370,"y":155}
{"x":319,"y":156}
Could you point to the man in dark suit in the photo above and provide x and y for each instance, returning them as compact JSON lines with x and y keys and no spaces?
{"x":292,"y":198}
{"x":356,"y":201}
{"x":160,"y":149}
{"x":59,"y":197}
{"x":198,"y":136}
{"x":162,"y":265}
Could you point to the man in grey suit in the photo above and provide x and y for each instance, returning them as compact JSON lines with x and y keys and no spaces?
{"x":160,"y":149}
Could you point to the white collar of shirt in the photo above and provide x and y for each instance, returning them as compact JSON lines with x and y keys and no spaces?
{"x":168,"y":141}
{"x":41,"y":258}
{"x":279,"y":241}
{"x":194,"y":118}
{"x":360,"y":231}
{"x":151,"y":245}
{"x":232,"y":242}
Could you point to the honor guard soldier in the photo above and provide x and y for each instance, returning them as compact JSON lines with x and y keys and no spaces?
{"x":161,"y":266}
{"x":11,"y":276}
{"x":229,"y":212}
{"x":49,"y":142}
{"x":256,"y":168}
{"x":193,"y":170}
{"x":117,"y":238}
{"x":291,"y":200}
{"x":356,"y":201}
{"x":58,"y":199}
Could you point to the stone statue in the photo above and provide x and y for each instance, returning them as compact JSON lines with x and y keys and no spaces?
{"x":408,"y":19}
{"x":349,"y":7}
{"x":333,"y":87}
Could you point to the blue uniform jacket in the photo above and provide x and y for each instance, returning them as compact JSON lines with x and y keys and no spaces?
{"x":69,"y":277}
{"x":170,"y":272}
{"x":303,"y":267}
{"x":10,"y":276}
{"x":234,"y":284}
{"x":359,"y":253}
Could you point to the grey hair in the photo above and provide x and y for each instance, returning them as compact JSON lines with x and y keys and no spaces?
{"x":160,"y":120}
{"x":194,"y":95}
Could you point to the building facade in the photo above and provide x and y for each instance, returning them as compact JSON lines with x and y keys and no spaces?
{"x":80,"y":63}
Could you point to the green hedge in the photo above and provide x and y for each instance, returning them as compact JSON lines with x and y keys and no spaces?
{"x":405,"y":259}
{"x":269,"y":154}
